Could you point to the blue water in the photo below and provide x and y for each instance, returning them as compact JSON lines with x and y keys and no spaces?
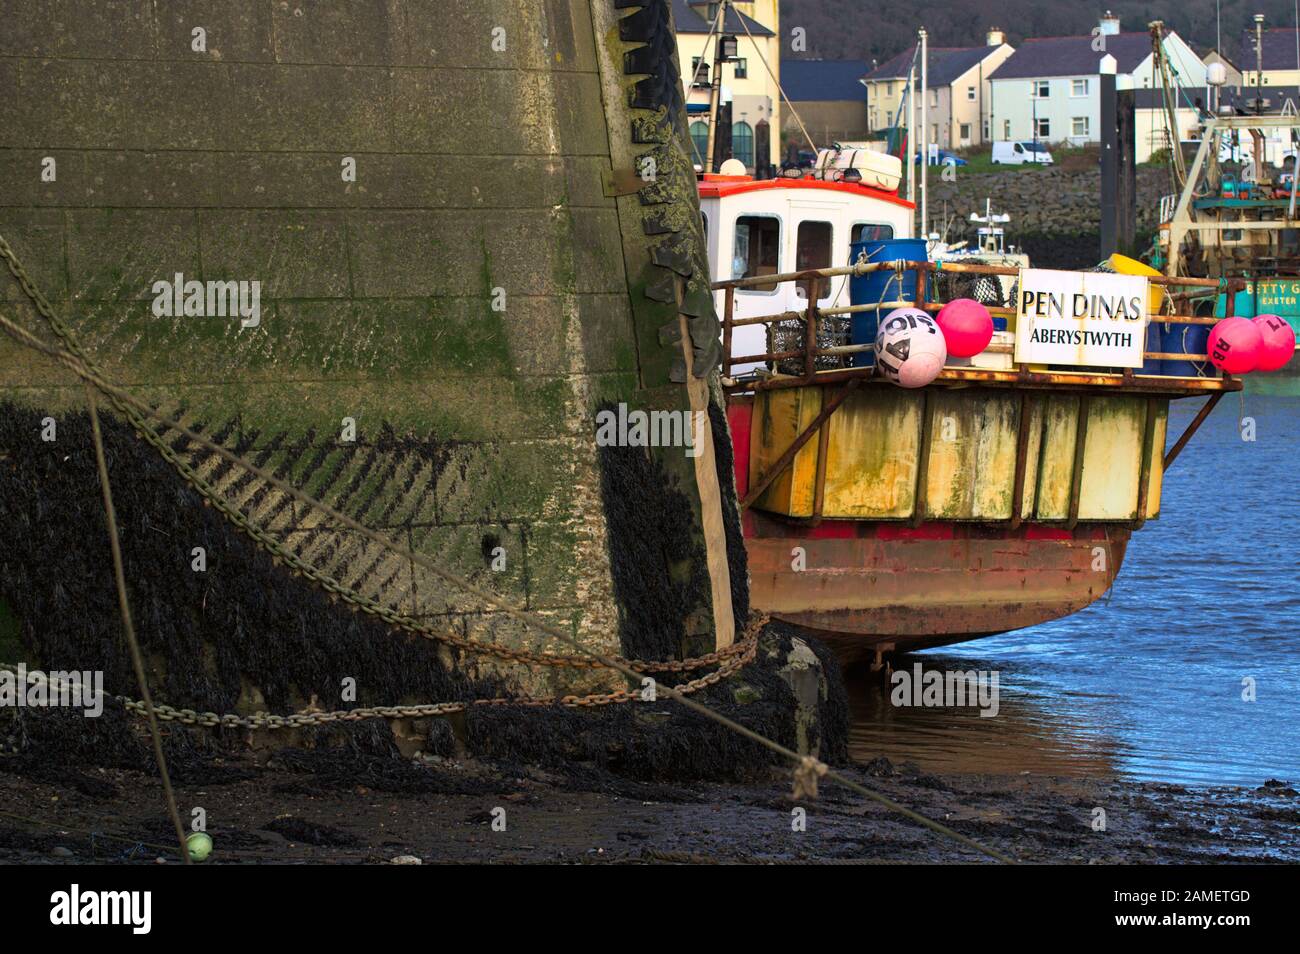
{"x":1147,"y":683}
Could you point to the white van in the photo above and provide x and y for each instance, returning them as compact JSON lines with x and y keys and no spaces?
{"x":1018,"y":153}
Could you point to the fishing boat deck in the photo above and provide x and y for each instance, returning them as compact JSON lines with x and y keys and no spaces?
{"x":1019,"y":375}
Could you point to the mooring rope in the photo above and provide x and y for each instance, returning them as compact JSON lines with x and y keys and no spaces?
{"x":74,"y":358}
{"x":124,"y":606}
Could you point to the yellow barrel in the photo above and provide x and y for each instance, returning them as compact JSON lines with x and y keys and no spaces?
{"x":1131,"y":266}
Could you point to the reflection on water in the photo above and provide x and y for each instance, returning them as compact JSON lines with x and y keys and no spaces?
{"x":1148,"y":682}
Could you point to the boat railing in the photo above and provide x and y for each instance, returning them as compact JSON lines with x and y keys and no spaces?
{"x":1180,"y":292}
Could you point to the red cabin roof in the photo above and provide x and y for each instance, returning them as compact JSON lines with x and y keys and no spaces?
{"x":716,"y":187}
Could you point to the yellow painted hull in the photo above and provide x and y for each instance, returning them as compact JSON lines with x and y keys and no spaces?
{"x":954,"y":455}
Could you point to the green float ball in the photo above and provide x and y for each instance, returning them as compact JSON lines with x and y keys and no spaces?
{"x":199,"y":845}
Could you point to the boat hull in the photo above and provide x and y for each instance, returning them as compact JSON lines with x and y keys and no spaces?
{"x":866,"y":595}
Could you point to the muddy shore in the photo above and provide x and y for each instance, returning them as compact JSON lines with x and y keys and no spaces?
{"x":300,"y":807}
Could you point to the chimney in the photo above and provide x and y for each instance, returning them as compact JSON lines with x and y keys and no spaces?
{"x":1109,"y":25}
{"x":995,"y":37}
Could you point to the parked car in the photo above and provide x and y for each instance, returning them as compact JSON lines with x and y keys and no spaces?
{"x":942,"y":157}
{"x":1017,"y":153}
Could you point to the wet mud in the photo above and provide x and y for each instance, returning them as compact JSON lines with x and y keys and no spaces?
{"x":301,"y":806}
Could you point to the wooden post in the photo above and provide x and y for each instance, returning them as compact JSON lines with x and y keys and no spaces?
{"x":728,"y":315}
{"x":810,"y":331}
{"x":1109,"y":149}
{"x":706,"y":480}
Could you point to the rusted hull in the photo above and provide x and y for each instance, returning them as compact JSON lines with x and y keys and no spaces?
{"x":864,"y":594}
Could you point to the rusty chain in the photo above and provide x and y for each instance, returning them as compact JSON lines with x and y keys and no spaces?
{"x":729,"y":659}
{"x":314,"y":717}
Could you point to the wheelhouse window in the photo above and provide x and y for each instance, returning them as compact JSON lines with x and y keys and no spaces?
{"x":757,"y":249}
{"x":870,"y":232}
{"x":812,"y":249}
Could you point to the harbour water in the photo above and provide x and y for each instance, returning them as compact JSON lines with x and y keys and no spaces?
{"x":1148,"y":683}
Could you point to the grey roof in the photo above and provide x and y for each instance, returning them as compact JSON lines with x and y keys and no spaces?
{"x":823,"y":80}
{"x":946,"y":64}
{"x":1147,"y":98}
{"x":689,"y":20}
{"x":1279,"y":49}
{"x":1073,"y":56}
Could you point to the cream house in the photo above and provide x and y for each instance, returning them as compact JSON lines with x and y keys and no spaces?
{"x":958,"y":78}
{"x":1280,"y":60}
{"x":746,"y":83}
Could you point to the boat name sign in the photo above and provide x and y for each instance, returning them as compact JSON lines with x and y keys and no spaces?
{"x":1093,"y":319}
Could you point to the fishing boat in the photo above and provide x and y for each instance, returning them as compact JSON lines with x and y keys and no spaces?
{"x":883,"y":519}
{"x":1235,"y":218}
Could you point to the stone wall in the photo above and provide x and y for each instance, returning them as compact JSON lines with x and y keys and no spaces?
{"x":464,"y":299}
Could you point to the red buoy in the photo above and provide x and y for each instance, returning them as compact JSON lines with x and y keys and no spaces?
{"x":1234,"y":345}
{"x":967,"y":327}
{"x":1277,"y":342}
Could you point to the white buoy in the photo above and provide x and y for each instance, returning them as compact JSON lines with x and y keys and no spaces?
{"x":910,"y":348}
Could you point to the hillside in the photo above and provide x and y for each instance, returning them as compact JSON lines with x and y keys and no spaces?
{"x":857,"y":30}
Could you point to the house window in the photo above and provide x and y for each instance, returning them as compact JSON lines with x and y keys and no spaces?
{"x":1042,"y":128}
{"x":757,"y":249}
{"x":934,"y":97}
{"x":1079,"y":127}
{"x":700,"y":139}
{"x":1006,"y":129}
{"x":1079,"y":87}
{"x":812,"y":249}
{"x":699,"y":74}
{"x":1041,"y":89}
{"x":970,"y":93}
{"x":742,"y":68}
{"x":742,"y":143}
{"x":963,"y":133}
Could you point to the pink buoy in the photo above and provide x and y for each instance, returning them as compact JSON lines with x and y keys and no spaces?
{"x":1277,"y":342}
{"x":1234,"y":345}
{"x":967,"y":327}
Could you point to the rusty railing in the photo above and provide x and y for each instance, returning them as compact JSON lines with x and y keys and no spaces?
{"x":1020,"y":374}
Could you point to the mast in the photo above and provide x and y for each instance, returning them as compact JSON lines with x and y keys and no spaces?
{"x":908,"y":164}
{"x":925,"y":133}
{"x":1164,"y":70}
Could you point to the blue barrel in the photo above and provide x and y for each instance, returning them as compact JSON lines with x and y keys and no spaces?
{"x":1155,"y":342}
{"x":874,"y":287}
{"x":1186,"y":339}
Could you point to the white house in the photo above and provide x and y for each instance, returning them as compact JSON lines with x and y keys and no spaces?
{"x":958,"y":93}
{"x":1048,"y":89}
